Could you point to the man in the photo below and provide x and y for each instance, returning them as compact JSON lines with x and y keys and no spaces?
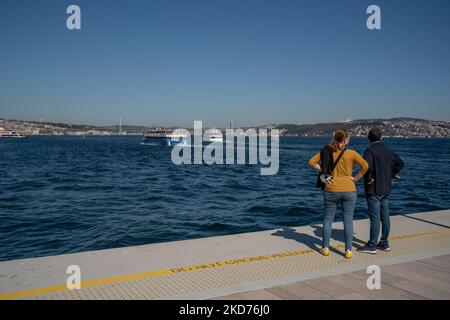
{"x":383,"y":166}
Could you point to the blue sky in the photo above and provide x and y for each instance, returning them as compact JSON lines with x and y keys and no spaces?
{"x":254,"y":61}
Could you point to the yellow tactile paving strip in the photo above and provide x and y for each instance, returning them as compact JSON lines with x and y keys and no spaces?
{"x":163,"y":284}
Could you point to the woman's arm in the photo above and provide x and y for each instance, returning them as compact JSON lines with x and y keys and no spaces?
{"x":314,"y":162}
{"x":362,"y":164}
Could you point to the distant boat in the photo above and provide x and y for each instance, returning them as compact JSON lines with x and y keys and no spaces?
{"x":156,"y":136}
{"x":214,"y":135}
{"x":173,"y":139}
{"x":11,"y":134}
{"x":164,"y":137}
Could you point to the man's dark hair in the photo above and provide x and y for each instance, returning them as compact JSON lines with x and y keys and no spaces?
{"x":375,"y":135}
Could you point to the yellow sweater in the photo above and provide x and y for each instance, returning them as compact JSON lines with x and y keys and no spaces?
{"x":343,"y":170}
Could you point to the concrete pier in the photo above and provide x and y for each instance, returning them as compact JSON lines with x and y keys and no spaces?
{"x":250,"y":265}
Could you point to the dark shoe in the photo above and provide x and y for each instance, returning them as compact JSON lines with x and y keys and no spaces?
{"x":383,"y":247}
{"x":367,"y":249}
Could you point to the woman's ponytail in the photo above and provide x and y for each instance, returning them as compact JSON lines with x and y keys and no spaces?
{"x":339,"y":137}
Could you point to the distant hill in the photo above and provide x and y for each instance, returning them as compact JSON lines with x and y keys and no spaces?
{"x":400,"y":127}
{"x":395,"y":127}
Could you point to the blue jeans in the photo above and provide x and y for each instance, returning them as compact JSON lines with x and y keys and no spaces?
{"x":378,"y":211}
{"x":347,"y":200}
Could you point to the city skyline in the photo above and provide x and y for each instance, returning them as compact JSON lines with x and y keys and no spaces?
{"x":119,"y":122}
{"x":169,"y":63}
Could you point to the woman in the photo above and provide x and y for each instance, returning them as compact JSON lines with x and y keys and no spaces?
{"x":340,"y":188}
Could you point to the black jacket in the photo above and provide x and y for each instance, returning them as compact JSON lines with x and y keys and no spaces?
{"x":383,"y":166}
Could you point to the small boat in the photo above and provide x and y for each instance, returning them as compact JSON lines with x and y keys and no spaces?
{"x":5,"y":133}
{"x":164,"y":137}
{"x":214,"y":135}
{"x":155,"y":136}
{"x":174,"y":138}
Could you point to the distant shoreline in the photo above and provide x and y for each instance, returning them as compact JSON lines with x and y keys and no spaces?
{"x":283,"y":136}
{"x":395,"y":127}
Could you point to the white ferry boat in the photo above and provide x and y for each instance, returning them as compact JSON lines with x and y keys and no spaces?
{"x":176,"y":138}
{"x":156,"y":136}
{"x":163,"y":136}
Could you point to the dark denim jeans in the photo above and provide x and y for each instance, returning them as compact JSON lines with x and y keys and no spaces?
{"x":347,"y":200}
{"x":378,"y":212}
